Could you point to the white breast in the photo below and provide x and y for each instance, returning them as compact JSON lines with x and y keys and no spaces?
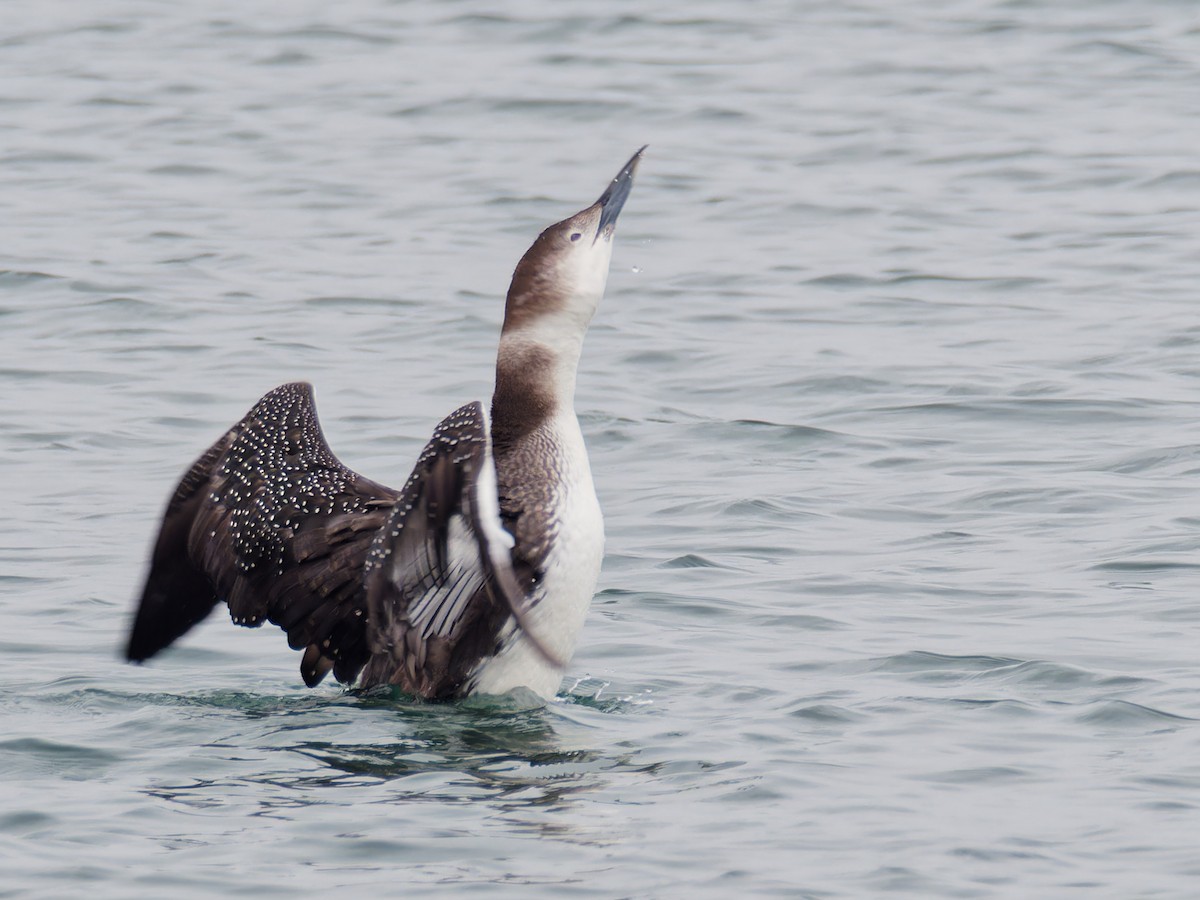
{"x":565,"y":592}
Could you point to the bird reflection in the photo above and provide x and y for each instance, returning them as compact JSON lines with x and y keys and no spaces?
{"x":524,"y":764}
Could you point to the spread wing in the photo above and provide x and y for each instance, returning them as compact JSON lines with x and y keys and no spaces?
{"x":440,"y":580}
{"x":270,"y":522}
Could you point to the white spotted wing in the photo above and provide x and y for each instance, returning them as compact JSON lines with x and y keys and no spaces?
{"x":440,"y":580}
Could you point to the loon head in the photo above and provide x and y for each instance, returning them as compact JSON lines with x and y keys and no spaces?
{"x":559,"y":281}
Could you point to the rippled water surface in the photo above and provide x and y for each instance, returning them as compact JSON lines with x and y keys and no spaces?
{"x":892,"y":408}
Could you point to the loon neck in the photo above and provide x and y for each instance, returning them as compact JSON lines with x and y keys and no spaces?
{"x":535,"y":383}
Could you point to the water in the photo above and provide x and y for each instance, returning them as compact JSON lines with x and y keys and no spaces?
{"x":892,"y":408}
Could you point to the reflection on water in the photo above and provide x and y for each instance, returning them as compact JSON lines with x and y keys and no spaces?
{"x":515,"y":759}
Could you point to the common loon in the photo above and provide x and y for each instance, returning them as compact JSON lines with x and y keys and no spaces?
{"x":475,"y":577}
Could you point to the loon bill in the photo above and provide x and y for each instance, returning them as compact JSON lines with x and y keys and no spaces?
{"x":475,"y":577}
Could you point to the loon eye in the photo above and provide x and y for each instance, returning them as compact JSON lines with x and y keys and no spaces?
{"x":576,"y":236}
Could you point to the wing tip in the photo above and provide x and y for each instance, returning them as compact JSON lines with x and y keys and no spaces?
{"x":135,"y":654}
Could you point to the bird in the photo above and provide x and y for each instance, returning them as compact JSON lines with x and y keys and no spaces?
{"x":473,"y":578}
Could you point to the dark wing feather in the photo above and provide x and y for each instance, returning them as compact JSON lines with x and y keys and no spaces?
{"x":440,"y":582}
{"x":269,"y":521}
{"x":177,"y":594}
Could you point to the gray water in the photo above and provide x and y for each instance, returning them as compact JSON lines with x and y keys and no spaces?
{"x":892,"y":408}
